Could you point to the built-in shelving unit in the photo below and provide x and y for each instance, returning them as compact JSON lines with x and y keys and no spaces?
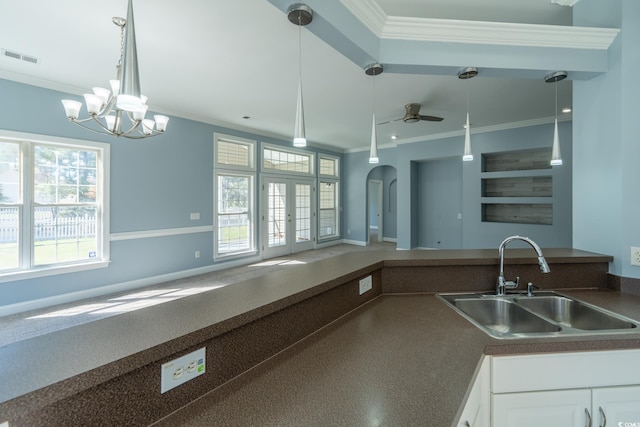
{"x":517,"y":187}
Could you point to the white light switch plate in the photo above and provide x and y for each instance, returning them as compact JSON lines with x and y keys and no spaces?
{"x":181,"y":370}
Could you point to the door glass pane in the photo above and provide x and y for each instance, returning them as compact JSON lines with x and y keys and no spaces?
{"x":303,"y":213}
{"x":277,"y":214}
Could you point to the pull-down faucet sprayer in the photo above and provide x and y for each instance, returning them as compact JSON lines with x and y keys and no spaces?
{"x":502,"y":285}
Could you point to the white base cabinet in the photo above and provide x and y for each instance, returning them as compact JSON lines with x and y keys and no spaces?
{"x":565,"y":408}
{"x":477,"y":409}
{"x":590,"y":389}
{"x":616,"y":407}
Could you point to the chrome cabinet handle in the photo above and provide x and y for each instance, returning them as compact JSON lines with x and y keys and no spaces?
{"x":586,"y":411}
{"x":603,"y":417}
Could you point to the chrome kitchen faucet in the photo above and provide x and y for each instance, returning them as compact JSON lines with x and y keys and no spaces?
{"x":502,"y":285}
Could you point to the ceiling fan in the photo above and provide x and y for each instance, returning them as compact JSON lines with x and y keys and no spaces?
{"x":412,"y":115}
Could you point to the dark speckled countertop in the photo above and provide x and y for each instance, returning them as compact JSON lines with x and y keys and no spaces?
{"x":406,"y":356}
{"x":398,"y":360}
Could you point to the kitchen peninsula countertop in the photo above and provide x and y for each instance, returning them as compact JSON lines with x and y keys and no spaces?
{"x":408,"y":355}
{"x":398,"y":360}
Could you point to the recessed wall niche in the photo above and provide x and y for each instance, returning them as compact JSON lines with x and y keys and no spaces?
{"x":517,"y":187}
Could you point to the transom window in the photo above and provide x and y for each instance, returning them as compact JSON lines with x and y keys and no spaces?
{"x":328,"y":166}
{"x":280,"y":160}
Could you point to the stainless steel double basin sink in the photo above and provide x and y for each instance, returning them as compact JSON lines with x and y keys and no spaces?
{"x":544,"y":314}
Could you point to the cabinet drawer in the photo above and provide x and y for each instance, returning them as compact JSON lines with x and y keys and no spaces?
{"x":564,"y":370}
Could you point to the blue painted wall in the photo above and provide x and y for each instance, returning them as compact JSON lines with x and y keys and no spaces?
{"x":440,"y":202}
{"x":431,"y":172}
{"x":607,"y":151}
{"x":155,"y":184}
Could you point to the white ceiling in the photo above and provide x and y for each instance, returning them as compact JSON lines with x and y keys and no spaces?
{"x":218,"y":60}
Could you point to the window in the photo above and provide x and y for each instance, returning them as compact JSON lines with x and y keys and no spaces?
{"x":52,"y":203}
{"x":328,"y":170}
{"x":276,"y":160}
{"x":234,"y":187}
{"x":234,"y":153}
{"x":328,"y":166}
{"x":328,"y":221}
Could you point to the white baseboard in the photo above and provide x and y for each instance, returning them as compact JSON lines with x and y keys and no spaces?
{"x":354,"y":242}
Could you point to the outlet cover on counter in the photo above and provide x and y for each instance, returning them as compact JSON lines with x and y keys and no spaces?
{"x":182,"y":369}
{"x":365,"y":285}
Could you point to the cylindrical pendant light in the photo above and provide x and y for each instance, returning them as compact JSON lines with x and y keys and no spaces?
{"x":556,"y":156}
{"x":465,"y":74}
{"x":299,"y":14}
{"x":374,"y":70}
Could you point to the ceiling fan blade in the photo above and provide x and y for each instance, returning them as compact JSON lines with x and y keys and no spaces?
{"x":388,"y":121}
{"x":431,"y":118}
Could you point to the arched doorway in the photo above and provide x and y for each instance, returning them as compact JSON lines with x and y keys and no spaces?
{"x":381,"y":190}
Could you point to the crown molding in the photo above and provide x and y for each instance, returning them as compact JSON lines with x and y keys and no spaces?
{"x":498,"y":33}
{"x":368,"y":12}
{"x":478,"y":32}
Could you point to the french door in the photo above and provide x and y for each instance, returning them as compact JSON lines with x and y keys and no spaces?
{"x":288,"y":215}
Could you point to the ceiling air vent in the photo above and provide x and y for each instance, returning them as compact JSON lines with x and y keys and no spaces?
{"x":20,"y":56}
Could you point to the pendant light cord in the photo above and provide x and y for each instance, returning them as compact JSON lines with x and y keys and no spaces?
{"x":556,"y":86}
{"x":300,"y":49}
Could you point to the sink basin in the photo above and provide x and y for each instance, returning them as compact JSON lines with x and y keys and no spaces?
{"x":574,"y":314}
{"x":545,"y":314}
{"x":500,"y":316}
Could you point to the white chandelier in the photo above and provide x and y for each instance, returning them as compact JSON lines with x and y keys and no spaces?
{"x":107,"y":108}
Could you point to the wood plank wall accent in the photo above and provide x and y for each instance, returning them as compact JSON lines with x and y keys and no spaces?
{"x":505,"y":175}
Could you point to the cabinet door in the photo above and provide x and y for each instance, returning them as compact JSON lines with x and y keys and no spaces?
{"x":616,"y":406}
{"x":565,"y":408}
{"x":476,"y":411}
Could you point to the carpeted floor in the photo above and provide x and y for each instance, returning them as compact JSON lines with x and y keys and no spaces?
{"x":38,"y":322}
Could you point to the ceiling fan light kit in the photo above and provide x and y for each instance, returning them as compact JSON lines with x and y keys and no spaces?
{"x":299,"y":14}
{"x":106,"y":107}
{"x":556,"y":156}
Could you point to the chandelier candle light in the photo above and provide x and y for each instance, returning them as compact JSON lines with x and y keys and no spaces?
{"x":465,"y":74}
{"x":299,"y":14}
{"x":374,"y":70}
{"x":555,"y":77}
{"x":107,"y":108}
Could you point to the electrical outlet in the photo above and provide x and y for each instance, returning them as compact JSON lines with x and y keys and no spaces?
{"x":365,"y":284}
{"x":635,"y":256}
{"x":195,"y":216}
{"x":197,"y":254}
{"x":181,"y":370}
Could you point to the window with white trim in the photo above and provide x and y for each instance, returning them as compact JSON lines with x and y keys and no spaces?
{"x":234,"y":195}
{"x":52,"y":203}
{"x":328,"y":186}
{"x":328,"y":209}
{"x":278,"y":160}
